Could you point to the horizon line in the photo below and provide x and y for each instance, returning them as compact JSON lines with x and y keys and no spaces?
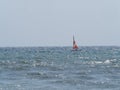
{"x":62,"y":46}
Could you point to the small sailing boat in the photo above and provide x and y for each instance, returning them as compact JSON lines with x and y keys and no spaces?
{"x":75,"y":46}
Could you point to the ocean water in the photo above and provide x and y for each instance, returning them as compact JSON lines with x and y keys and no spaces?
{"x":60,"y":68}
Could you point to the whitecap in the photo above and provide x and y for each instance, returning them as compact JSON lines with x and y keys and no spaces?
{"x":96,"y":62}
{"x":107,"y":61}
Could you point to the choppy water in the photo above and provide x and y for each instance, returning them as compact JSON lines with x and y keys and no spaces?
{"x":59,"y":68}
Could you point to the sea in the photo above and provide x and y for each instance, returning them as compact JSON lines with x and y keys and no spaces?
{"x":60,"y":68}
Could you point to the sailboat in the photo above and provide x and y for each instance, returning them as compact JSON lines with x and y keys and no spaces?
{"x":75,"y":46}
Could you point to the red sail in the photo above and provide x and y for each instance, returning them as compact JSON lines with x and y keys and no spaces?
{"x":74,"y":44}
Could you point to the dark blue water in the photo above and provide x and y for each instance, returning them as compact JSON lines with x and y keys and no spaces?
{"x":60,"y":68}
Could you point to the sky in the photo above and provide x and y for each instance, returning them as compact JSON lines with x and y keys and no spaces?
{"x":54,"y":22}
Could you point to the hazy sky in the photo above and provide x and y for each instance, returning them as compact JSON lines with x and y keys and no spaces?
{"x":53,"y":22}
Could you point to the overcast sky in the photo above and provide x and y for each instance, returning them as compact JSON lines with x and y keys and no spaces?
{"x":54,"y":22}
